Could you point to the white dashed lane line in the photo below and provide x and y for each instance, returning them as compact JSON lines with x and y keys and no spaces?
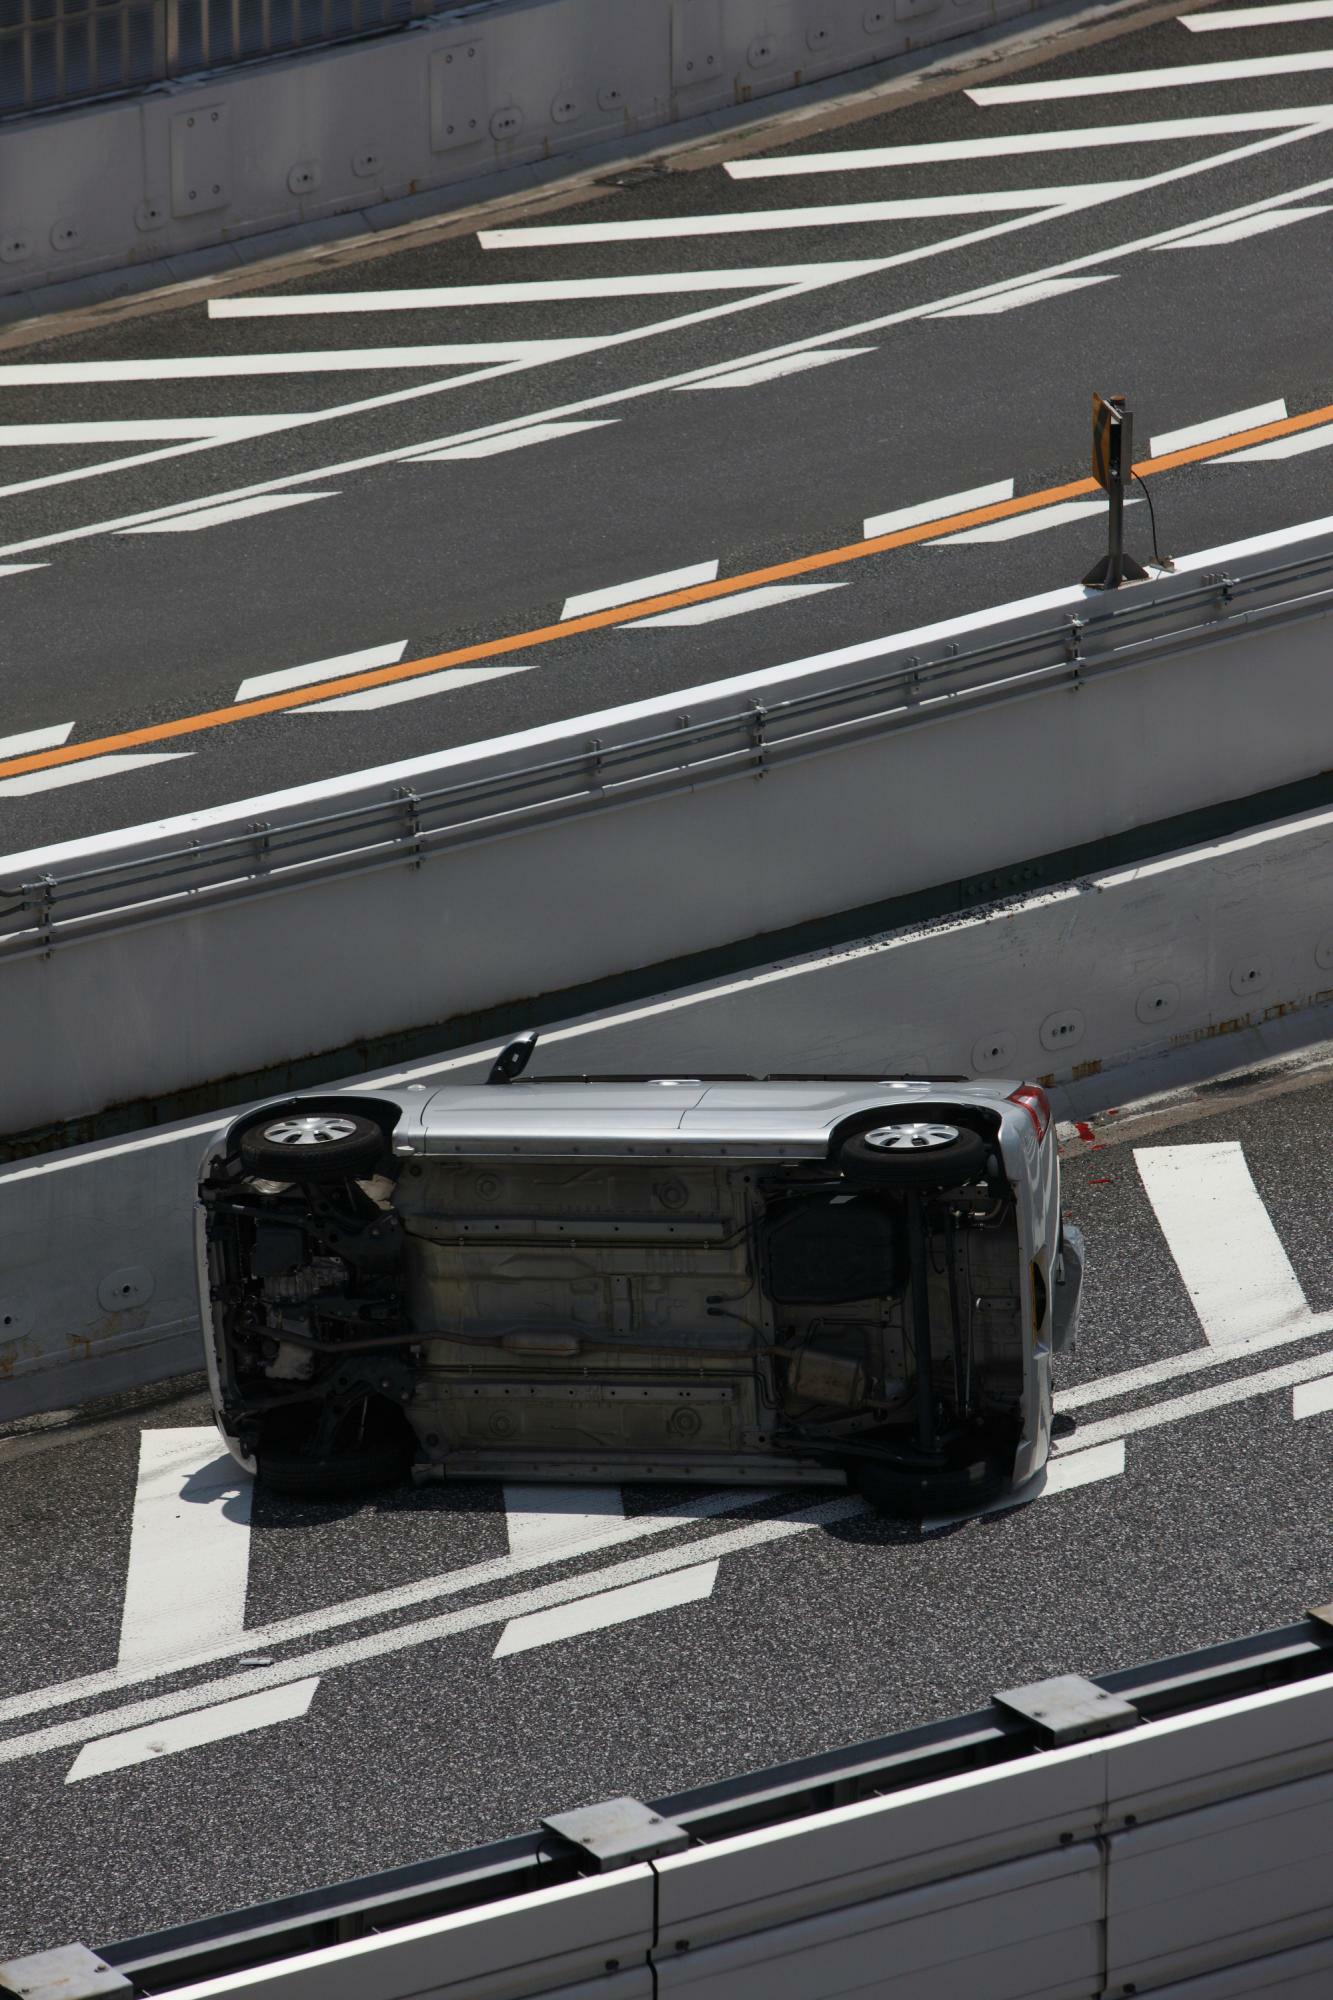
{"x":511,"y":441}
{"x":1318,"y":438}
{"x":584,"y":602}
{"x":114,"y":765}
{"x":948,"y":504}
{"x":1284,"y":13}
{"x":364,"y":661}
{"x":1216,"y":427}
{"x":1178,"y":77}
{"x":730,"y":607}
{"x":1064,"y":514}
{"x":773,"y":371}
{"x":219,"y":517}
{"x":448,"y":681}
{"x":189,"y":1731}
{"x":1024,"y":295}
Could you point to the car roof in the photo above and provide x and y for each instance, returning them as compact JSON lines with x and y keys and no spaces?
{"x":751,"y":1118}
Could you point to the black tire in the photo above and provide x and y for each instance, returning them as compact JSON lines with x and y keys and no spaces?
{"x":909,"y":1163}
{"x":909,"y":1493}
{"x":350,"y":1148}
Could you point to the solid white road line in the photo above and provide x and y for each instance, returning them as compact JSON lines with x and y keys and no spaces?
{"x":744,"y":222}
{"x":187,"y":1732}
{"x":369,"y":657}
{"x":939,"y":152}
{"x":1258,"y":17}
{"x":1217,"y":427}
{"x":1024,"y":295}
{"x":1061,"y":515}
{"x":903,"y":316}
{"x":212,"y":367}
{"x":1107,"y":1387}
{"x":609,"y":1607}
{"x":111,"y":766}
{"x":137,"y":430}
{"x":189,"y":1546}
{"x":937,"y":510}
{"x":730,"y":607}
{"x":1237,"y":232}
{"x":415,"y":689}
{"x":640,"y":587}
{"x":699,"y":1508}
{"x":542,"y":1519}
{"x":772,"y":371}
{"x":512,"y":440}
{"x":1219,"y":1397}
{"x":1223,"y":1241}
{"x":1182,"y":75}
{"x":1317,"y":438}
{"x":29,"y":740}
{"x":217,"y":517}
{"x":548,"y":291}
{"x":426,"y":1631}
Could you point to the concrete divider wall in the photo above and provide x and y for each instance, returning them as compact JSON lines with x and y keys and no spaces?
{"x":213,"y":159}
{"x":1200,"y":961}
{"x":997,"y":774}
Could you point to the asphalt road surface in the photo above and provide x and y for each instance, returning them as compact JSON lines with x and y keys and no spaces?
{"x":374,"y":1684}
{"x":488,"y":445}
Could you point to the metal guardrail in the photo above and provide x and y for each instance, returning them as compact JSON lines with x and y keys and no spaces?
{"x":62,"y":51}
{"x":1002,"y":1735}
{"x":404,"y":826}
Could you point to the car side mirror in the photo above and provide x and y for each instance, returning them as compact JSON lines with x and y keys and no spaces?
{"x":513,"y":1058}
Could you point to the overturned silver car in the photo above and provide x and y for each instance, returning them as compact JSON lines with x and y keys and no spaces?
{"x":812,"y":1280}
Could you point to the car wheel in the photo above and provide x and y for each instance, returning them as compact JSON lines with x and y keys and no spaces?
{"x":908,"y":1493}
{"x":305,"y":1143}
{"x":924,"y":1153}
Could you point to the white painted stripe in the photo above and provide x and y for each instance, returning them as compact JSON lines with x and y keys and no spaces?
{"x":610,"y":1607}
{"x":641,"y":587}
{"x":545,"y":291}
{"x":1224,"y":1244}
{"x":1312,"y":1399}
{"x":342,"y":664}
{"x":338,"y":360}
{"x":1217,"y":427}
{"x":743,"y":222}
{"x":217,"y":517}
{"x":1060,"y":1475}
{"x":1240,"y":1389}
{"x":189,"y":1731}
{"x":416,"y":689}
{"x":1258,"y":17}
{"x":137,"y":430}
{"x":542,"y":1519}
{"x":427,"y":1631}
{"x":772,"y":371}
{"x":1180,"y":76}
{"x":189,"y":1546}
{"x":699,"y":1509}
{"x":81,"y":774}
{"x":29,"y":740}
{"x":1024,"y":295}
{"x":1017,"y":145}
{"x":512,"y":440}
{"x":16,"y":569}
{"x":1317,"y":438}
{"x":1238,"y":232}
{"x":1083,"y":1467}
{"x":1062,"y":515}
{"x":731,"y":607}
{"x":949,"y":246}
{"x":938,"y":510}
{"x":1107,"y":1387}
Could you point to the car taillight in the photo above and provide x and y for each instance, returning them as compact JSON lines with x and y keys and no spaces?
{"x":1037,"y":1105}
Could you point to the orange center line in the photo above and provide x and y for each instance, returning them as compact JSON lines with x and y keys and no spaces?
{"x":622,"y":614}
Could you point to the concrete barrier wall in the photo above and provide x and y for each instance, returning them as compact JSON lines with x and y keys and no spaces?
{"x":357,"y":129}
{"x":1106,"y":987}
{"x":920,"y":795}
